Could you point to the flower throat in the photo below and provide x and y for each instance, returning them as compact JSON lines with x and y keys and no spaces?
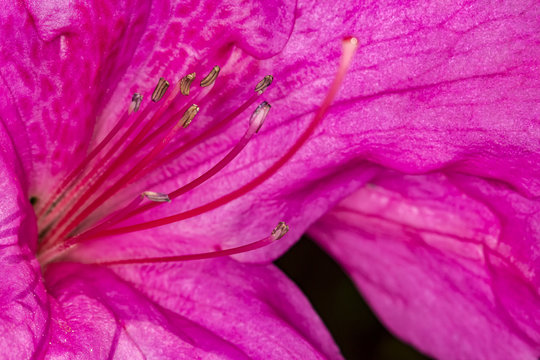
{"x":68,"y":218}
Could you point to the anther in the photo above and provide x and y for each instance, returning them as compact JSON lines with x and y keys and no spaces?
{"x":136,"y":100}
{"x":189,"y":115}
{"x":211,"y":77}
{"x":259,"y":115}
{"x":156,"y":196}
{"x":264,"y":84}
{"x":280,"y":230}
{"x":185,"y":83}
{"x":160,"y":89}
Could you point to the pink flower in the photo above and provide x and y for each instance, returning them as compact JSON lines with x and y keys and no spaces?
{"x":69,"y":72}
{"x":429,"y":149}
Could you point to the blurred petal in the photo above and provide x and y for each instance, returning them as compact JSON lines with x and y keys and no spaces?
{"x":447,"y":261}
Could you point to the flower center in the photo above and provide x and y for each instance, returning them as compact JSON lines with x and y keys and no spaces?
{"x":69,"y":218}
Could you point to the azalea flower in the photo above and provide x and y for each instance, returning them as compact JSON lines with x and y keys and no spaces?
{"x":404,"y":179}
{"x":86,"y":131}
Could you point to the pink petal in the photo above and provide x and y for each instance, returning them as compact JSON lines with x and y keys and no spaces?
{"x":96,"y":315}
{"x":446,"y":261}
{"x":398,"y":108}
{"x":208,"y":309}
{"x":425,"y":93}
{"x":23,"y":304}
{"x":69,"y":58}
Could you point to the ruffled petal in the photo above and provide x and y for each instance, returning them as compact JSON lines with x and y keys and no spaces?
{"x":448,"y":262}
{"x":211,"y":309}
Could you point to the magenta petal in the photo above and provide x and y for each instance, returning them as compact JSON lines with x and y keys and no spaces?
{"x":97,"y":316}
{"x":255,"y":307}
{"x":424,"y":93}
{"x":23,"y":304}
{"x":70,"y":58}
{"x":447,"y":262}
{"x":50,"y":67}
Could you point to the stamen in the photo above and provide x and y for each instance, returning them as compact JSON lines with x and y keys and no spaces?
{"x":185,"y":83}
{"x":135,"y":103}
{"x":160,"y":90}
{"x":124,"y":180}
{"x":255,"y":123}
{"x":136,"y":143}
{"x":156,"y":196}
{"x":100,"y":172}
{"x":131,"y":147}
{"x":93,"y":173}
{"x":92,"y":181}
{"x":264,"y":84}
{"x":201,"y":97}
{"x":119,"y":215}
{"x":189,"y":115}
{"x":349,"y":48}
{"x":280,"y":231}
{"x":79,"y":170}
{"x":211,"y":77}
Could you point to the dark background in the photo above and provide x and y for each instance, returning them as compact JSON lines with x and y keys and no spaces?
{"x":353,"y":325}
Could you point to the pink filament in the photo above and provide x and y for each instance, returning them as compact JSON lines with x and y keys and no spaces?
{"x":93,"y":182}
{"x":209,"y":255}
{"x":96,"y":172}
{"x":218,"y":126}
{"x":252,"y":129}
{"x":78,"y":171}
{"x":119,"y":184}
